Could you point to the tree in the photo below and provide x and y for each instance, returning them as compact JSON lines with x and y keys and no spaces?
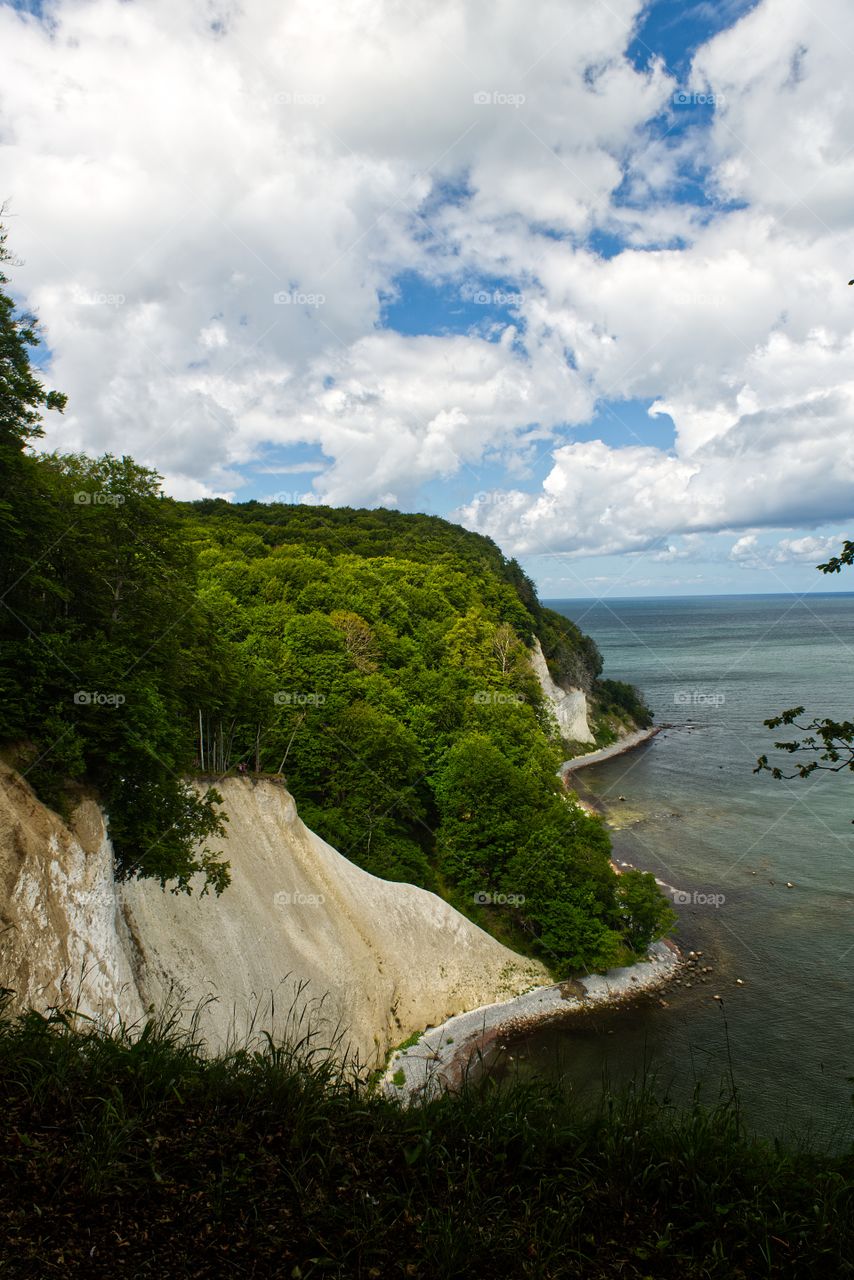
{"x":830,"y":743}
{"x":22,"y":395}
{"x":487,"y":808}
{"x":359,"y":639}
{"x":623,"y":699}
{"x":25,"y":519}
{"x":563,"y":875}
{"x":381,"y":633}
{"x":647,"y":914}
{"x":506,"y":646}
{"x":94,"y":669}
{"x":835,"y":563}
{"x":359,"y":779}
{"x":469,"y":643}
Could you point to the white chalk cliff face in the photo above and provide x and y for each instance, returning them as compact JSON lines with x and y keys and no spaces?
{"x":385,"y":959}
{"x":568,"y":705}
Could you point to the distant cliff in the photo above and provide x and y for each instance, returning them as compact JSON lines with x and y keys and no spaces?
{"x":567,"y":704}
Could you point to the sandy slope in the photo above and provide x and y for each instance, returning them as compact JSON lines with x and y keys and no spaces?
{"x":387,"y":959}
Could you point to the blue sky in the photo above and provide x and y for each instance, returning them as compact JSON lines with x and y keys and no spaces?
{"x":573,"y":283}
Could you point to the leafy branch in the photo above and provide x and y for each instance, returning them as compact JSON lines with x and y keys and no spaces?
{"x":831,"y":740}
{"x":834,"y":565}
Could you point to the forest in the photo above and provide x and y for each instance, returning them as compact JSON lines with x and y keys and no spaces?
{"x":376,"y":661}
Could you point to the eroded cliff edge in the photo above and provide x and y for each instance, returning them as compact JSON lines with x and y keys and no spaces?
{"x":386,"y":959}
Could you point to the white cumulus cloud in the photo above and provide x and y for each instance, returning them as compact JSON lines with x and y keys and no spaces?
{"x":212,"y":199}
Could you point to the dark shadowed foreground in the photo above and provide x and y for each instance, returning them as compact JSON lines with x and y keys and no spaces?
{"x":133,"y":1155}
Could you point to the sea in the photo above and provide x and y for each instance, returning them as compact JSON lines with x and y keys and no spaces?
{"x":761,"y":871}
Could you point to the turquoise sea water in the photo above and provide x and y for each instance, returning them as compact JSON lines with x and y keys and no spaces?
{"x":695,"y":813}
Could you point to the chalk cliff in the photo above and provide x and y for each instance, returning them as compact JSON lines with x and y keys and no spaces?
{"x":384,"y":959}
{"x":568,"y":705}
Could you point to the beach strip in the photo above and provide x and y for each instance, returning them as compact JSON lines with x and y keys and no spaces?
{"x":443,"y":1054}
{"x":628,"y":743}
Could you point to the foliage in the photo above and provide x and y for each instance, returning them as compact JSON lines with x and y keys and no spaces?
{"x":403,"y":708}
{"x":562,"y":870}
{"x":572,"y":657}
{"x":22,"y":395}
{"x":830,"y":743}
{"x":379,"y":660}
{"x":836,"y":563}
{"x":135,"y":1154}
{"x":617,"y":697}
{"x":648,"y":914}
{"x":97,"y":626}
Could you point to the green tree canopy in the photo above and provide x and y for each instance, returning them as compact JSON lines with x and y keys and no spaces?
{"x":379,"y":661}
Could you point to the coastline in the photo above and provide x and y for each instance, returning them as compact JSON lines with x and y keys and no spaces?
{"x":443,"y":1054}
{"x":441,"y":1057}
{"x":619,"y":748}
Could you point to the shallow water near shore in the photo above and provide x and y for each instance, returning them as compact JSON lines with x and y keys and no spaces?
{"x":729,"y":840}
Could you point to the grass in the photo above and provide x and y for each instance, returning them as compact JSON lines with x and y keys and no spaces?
{"x":133,"y":1154}
{"x":409,"y":1042}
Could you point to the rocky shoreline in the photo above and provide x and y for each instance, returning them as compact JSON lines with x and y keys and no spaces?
{"x":441,"y":1057}
{"x":628,"y":743}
